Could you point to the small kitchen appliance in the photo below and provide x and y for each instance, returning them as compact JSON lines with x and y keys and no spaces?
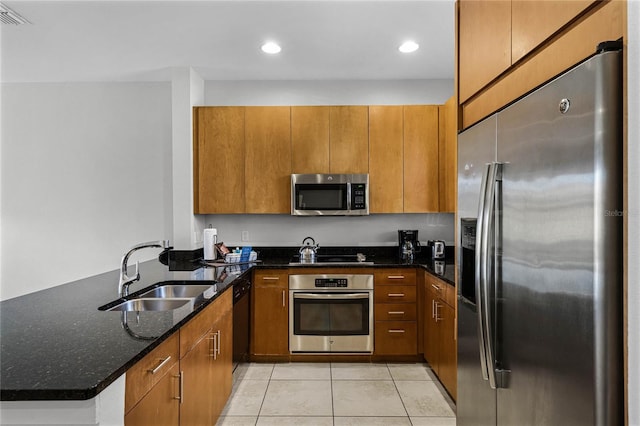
{"x":329,"y":194}
{"x":408,"y":244}
{"x":437,"y":249}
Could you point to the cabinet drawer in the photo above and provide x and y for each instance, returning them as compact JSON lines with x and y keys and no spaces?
{"x":161,"y":405}
{"x":395,"y":276}
{"x":149,"y":370}
{"x":192,"y":332}
{"x":395,"y":293}
{"x":395,"y":312}
{"x":271,"y":278}
{"x":396,"y":338}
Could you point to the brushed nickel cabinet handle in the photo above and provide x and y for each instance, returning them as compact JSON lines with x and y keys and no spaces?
{"x":180,"y":396}
{"x":396,"y":312}
{"x":396,"y":331}
{"x":436,"y":287}
{"x":395,"y":294}
{"x":283,"y":299}
{"x":270,"y":278}
{"x":214,"y":351}
{"x":162,"y":364}
{"x":395,"y":277}
{"x":219,"y":341}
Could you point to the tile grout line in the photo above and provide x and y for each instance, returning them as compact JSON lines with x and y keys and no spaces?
{"x":273,"y":367}
{"x":399,"y":395}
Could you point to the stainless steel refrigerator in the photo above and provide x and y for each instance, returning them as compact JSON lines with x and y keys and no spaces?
{"x":540,"y":247}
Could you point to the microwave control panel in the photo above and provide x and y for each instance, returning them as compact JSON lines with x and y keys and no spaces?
{"x":358,"y":198}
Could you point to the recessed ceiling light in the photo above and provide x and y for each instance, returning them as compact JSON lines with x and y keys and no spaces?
{"x":271,"y":48}
{"x":408,"y":47}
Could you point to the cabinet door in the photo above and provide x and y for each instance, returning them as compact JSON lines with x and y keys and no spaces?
{"x":447,"y":362}
{"x":431,"y":330}
{"x":386,"y":159}
{"x":349,"y":139}
{"x":534,"y":21}
{"x":421,"y":158}
{"x":160,"y":406}
{"x":222,"y":363}
{"x":310,"y":139}
{"x":218,"y":156}
{"x":270,"y":313}
{"x":267,"y":160}
{"x":198,"y":388}
{"x":484,"y":43}
{"x":448,"y":156}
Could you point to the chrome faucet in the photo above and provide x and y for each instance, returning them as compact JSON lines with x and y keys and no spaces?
{"x":125,"y":280}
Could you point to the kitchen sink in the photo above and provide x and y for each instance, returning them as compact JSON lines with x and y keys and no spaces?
{"x":151,"y":304}
{"x":178,"y":291}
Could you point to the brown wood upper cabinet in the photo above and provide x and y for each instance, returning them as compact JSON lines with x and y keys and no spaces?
{"x":421,"y":160}
{"x":349,"y":139}
{"x":533,"y":21}
{"x":403,"y":158}
{"x":218,"y":155}
{"x":386,"y":159}
{"x":329,"y":139}
{"x":508,"y":47}
{"x":484,"y":43}
{"x":448,"y":156}
{"x":267,"y":165}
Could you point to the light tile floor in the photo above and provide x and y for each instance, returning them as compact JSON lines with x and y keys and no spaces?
{"x":337,"y":394}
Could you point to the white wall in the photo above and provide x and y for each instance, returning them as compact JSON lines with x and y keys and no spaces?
{"x":633,"y":213}
{"x":373,"y":230}
{"x":338,"y":92}
{"x":86,"y":172}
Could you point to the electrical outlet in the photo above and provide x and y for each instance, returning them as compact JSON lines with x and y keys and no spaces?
{"x":245,"y":235}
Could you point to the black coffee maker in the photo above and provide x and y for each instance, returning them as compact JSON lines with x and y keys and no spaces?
{"x":408,"y":244}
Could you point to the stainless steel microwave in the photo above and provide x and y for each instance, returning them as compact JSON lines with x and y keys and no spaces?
{"x":329,"y":194}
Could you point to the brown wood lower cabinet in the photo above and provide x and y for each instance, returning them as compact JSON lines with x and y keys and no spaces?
{"x":440,"y":332}
{"x":270,"y":313}
{"x":206,"y":367}
{"x":160,"y":406}
{"x":187,"y":379}
{"x":395,"y":328}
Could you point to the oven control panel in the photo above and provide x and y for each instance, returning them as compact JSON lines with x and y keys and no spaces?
{"x":331,"y":282}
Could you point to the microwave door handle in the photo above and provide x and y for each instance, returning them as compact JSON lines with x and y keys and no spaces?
{"x":348,"y":196}
{"x":316,"y":296}
{"x":479,"y":272}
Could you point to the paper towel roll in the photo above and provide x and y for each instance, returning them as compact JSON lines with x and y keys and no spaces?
{"x":210,"y":239}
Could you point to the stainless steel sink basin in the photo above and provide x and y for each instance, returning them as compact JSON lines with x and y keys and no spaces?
{"x":151,"y":304}
{"x":177,"y":290}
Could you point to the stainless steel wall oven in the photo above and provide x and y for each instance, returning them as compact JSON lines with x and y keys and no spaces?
{"x":331,"y":313}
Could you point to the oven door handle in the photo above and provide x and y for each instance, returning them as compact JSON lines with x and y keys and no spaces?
{"x":330,"y":296}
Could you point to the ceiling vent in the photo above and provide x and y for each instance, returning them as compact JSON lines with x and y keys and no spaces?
{"x":9,"y":17}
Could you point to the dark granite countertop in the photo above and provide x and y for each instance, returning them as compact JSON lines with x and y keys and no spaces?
{"x":56,"y":344}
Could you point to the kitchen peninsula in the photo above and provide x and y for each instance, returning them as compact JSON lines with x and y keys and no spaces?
{"x":59,"y":350}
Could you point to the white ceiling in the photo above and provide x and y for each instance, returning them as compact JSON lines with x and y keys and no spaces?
{"x":92,"y":40}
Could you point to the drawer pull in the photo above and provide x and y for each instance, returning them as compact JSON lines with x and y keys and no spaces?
{"x":396,"y":331}
{"x":162,"y":364}
{"x":437,"y":288}
{"x":395,"y":277}
{"x":270,"y":278}
{"x":395,"y":294}
{"x":396,"y":312}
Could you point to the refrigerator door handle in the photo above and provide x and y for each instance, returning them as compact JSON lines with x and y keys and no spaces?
{"x":479,"y":273}
{"x":488,"y":243}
